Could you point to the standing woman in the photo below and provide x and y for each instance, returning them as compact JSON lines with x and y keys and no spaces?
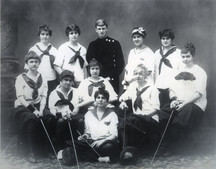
{"x":90,"y":85}
{"x":47,"y":53}
{"x":31,"y":92}
{"x":72,"y":55}
{"x":141,"y":54}
{"x":168,"y":60}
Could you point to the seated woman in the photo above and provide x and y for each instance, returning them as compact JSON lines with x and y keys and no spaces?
{"x":31,"y":92}
{"x":188,"y":92}
{"x":90,"y":85}
{"x":100,"y":132}
{"x":63,"y":104}
{"x":145,"y":106}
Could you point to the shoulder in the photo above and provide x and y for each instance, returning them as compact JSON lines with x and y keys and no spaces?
{"x":82,"y":47}
{"x":199,"y":70}
{"x":63,"y":45}
{"x":157,"y":51}
{"x":149,"y":50}
{"x":19,"y":76}
{"x":112,"y":40}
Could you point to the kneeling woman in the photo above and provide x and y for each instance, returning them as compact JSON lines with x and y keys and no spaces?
{"x":100,"y":131}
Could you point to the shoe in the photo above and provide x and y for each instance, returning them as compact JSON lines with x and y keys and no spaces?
{"x":128,"y":155}
{"x":32,"y":158}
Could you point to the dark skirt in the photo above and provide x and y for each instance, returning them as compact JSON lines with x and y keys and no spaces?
{"x":22,"y":115}
{"x":86,"y":153}
{"x":138,"y":130}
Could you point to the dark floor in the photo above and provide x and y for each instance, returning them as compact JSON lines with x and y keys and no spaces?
{"x":198,"y":152}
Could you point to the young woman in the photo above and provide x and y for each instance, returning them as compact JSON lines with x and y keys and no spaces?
{"x":188,"y":92}
{"x":72,"y":55}
{"x":47,"y":53}
{"x":168,"y":60}
{"x":63,"y":104}
{"x":144,"y":115}
{"x":31,"y":92}
{"x":100,"y":133}
{"x":101,"y":126}
{"x":90,"y":85}
{"x":141,"y":54}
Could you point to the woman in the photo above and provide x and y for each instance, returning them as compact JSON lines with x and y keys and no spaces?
{"x":168,"y":60}
{"x":47,"y":53}
{"x":100,"y":133}
{"x":188,"y":92}
{"x":72,"y":55}
{"x":31,"y":92}
{"x":90,"y":85}
{"x":141,"y":54}
{"x":63,"y":104}
{"x":144,"y":114}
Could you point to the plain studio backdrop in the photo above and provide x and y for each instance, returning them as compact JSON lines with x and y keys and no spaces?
{"x":191,"y":20}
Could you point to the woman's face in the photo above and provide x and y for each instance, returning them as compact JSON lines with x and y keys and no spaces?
{"x":94,"y":71}
{"x":138,"y":40}
{"x":66,"y":83}
{"x":44,"y":36}
{"x":166,"y":41}
{"x":140,"y":75}
{"x":33,"y":64}
{"x":101,"y":101}
{"x":73,"y":36}
{"x":187,"y":59}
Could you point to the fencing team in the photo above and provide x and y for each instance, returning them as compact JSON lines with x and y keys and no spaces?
{"x":83,"y":112}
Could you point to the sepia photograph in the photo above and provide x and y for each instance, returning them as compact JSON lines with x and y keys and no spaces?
{"x":108,"y":84}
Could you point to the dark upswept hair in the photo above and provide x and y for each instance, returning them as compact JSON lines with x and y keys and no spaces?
{"x":66,"y":73}
{"x":167,"y":33}
{"x":44,"y":27}
{"x":72,"y":27}
{"x":102,"y":91}
{"x":32,"y":55}
{"x":92,"y":63}
{"x":189,"y":47}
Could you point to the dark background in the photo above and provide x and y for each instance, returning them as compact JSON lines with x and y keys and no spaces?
{"x":191,"y":20}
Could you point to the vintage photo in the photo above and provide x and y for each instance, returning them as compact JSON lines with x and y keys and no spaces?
{"x":108,"y":84}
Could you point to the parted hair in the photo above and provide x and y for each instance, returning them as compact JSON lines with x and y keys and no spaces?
{"x":66,"y":73}
{"x":32,"y":55}
{"x":44,"y":27}
{"x":92,"y":63}
{"x":167,"y":33}
{"x":72,"y":27}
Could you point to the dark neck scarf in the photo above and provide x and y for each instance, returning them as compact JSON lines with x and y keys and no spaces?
{"x":95,"y":84}
{"x":185,"y":76}
{"x":138,"y":101}
{"x":164,"y":60}
{"x":34,"y":85}
{"x":46,"y":52}
{"x":64,"y":101}
{"x":76,"y":56}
